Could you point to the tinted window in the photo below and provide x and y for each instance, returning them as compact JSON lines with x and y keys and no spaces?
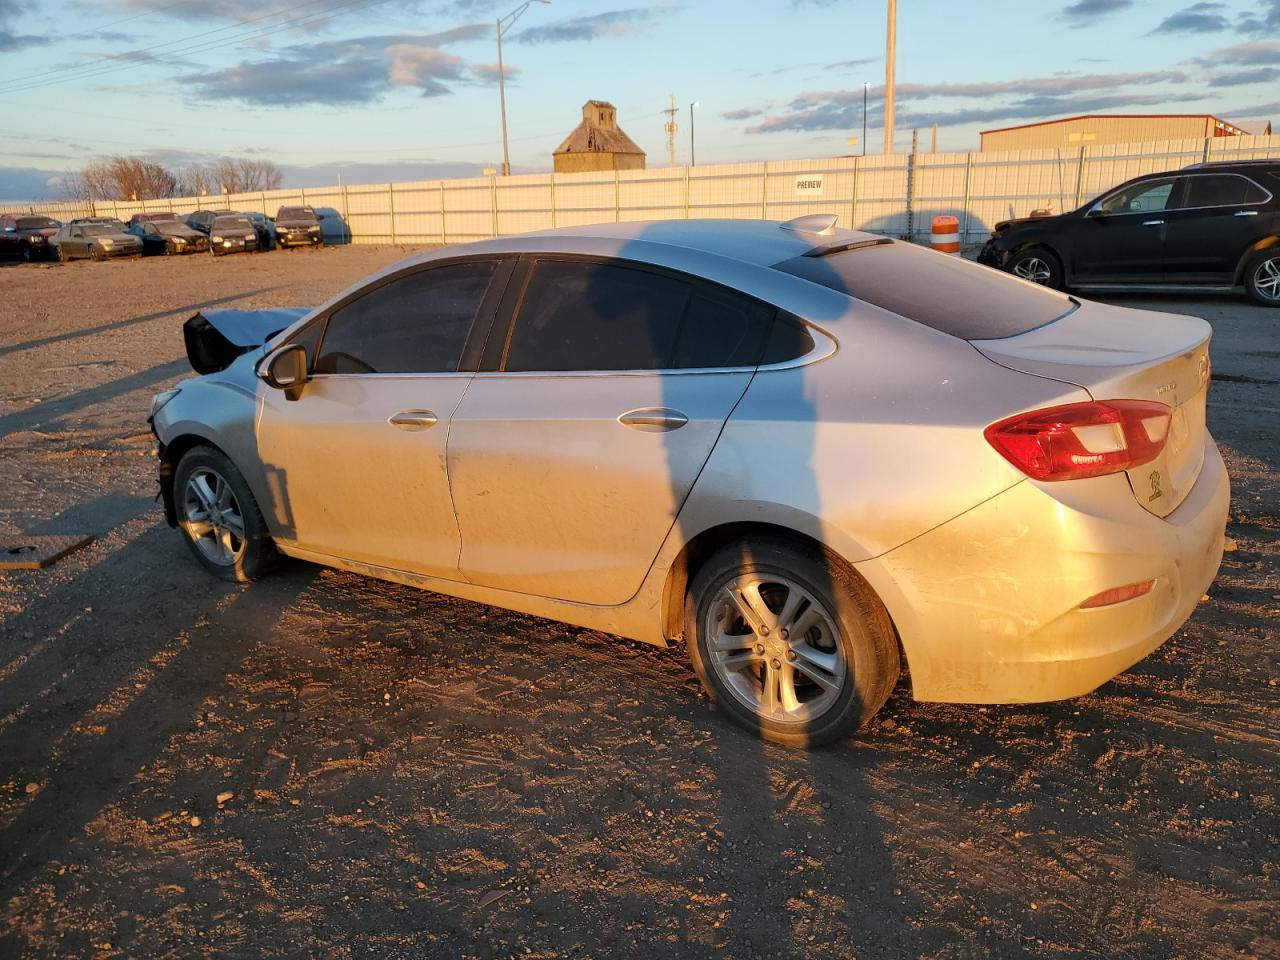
{"x":414,"y":324}
{"x":721,"y":330}
{"x":1215,"y":191}
{"x":787,"y":341}
{"x":96,"y":230}
{"x":36,"y":223}
{"x":1139,"y":197}
{"x":593,"y":316}
{"x":1254,"y":193}
{"x":296,"y":213}
{"x":946,"y":293}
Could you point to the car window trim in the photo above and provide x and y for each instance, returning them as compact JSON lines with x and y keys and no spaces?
{"x":496,"y":356}
{"x":490,"y":301}
{"x":1226,"y":206}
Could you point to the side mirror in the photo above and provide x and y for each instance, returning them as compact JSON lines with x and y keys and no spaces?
{"x":285,"y":368}
{"x":1095,"y":212}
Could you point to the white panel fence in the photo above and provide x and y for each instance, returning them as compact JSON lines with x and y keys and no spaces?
{"x":896,"y":195}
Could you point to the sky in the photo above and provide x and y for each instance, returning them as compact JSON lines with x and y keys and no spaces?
{"x":375,"y":90}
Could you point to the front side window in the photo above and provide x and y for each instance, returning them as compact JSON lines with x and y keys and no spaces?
{"x":416,"y":323}
{"x":584,"y":315}
{"x":1139,"y":197}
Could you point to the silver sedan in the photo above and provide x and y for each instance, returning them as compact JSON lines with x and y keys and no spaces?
{"x":812,"y":455}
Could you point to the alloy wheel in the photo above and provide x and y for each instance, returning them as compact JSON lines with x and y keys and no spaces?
{"x":776,"y":647}
{"x":212,"y":518}
{"x":1266,"y":279}
{"x":1033,"y":269}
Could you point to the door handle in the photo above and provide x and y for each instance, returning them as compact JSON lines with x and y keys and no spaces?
{"x":653,"y":419}
{"x":413,"y":419}
{"x":1152,"y":223}
{"x":1245,"y":213}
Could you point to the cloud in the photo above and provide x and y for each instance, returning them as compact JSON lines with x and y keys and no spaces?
{"x":1263,"y":20}
{"x":1256,"y":53}
{"x":1085,"y":13}
{"x":1029,"y":98}
{"x":1197,"y":18}
{"x":614,"y":23}
{"x":1241,"y":78}
{"x":743,"y":113}
{"x":347,"y":72}
{"x":10,"y":40}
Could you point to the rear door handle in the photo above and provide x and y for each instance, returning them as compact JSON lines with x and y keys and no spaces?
{"x":653,"y":419}
{"x":1152,"y":223}
{"x":413,"y":419}
{"x":1245,"y":213}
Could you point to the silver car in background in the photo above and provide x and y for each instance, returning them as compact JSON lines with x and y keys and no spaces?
{"x":809,"y":453}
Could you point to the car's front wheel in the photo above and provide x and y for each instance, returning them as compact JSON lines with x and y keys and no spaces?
{"x":790,"y":642}
{"x":1037,"y":265}
{"x":219,"y":517}
{"x":1262,"y":278}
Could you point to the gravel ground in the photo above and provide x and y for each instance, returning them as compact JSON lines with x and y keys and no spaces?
{"x":327,"y":766}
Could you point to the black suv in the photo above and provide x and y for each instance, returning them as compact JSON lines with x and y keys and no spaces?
{"x":1209,"y":225}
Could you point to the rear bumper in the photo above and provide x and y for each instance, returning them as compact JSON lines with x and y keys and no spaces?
{"x":988,"y":605}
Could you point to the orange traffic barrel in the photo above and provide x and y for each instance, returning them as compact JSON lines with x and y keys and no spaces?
{"x":945,"y":235}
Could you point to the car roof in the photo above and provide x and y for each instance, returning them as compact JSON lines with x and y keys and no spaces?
{"x":758,"y":242}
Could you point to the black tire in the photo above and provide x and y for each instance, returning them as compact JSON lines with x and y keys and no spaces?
{"x":28,"y":255}
{"x":95,"y":254}
{"x":62,"y":256}
{"x":255,"y":553}
{"x":1037,"y":265}
{"x":1262,"y":277}
{"x":864,"y":633}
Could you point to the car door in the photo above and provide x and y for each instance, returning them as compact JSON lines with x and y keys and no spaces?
{"x":355,"y":466}
{"x":1218,"y":219}
{"x":8,"y":237}
{"x":571,"y":459}
{"x":1122,"y":237}
{"x":77,"y":246}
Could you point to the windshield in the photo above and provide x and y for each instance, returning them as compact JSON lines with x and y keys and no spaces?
{"x":162,"y":216}
{"x":296,"y":213}
{"x":36,"y":223}
{"x":946,"y":293}
{"x":98,"y":230}
{"x":232,"y":223}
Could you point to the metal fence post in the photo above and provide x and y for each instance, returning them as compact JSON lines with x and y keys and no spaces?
{"x":444,"y":233}
{"x":493,"y":203}
{"x":968,"y":195}
{"x":911,"y":183}
{"x":1208,"y":148}
{"x":764,"y":191}
{"x":686,"y":193}
{"x":391,"y":203}
{"x":553,"y":199}
{"x":1080,"y":176}
{"x":617,"y":196}
{"x":853,"y":200}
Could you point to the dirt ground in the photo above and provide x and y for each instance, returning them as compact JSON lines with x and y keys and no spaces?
{"x":406,"y":775}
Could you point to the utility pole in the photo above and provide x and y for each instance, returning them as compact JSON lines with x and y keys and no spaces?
{"x":671,"y":128}
{"x":504,"y":24}
{"x":933,"y":140}
{"x":891,"y":44}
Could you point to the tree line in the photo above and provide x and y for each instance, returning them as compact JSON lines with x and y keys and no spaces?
{"x":137,"y":178}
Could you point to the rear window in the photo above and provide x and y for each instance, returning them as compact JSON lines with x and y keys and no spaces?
{"x":946,"y":293}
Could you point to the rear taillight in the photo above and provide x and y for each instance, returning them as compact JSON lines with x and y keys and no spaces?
{"x":1078,"y":440}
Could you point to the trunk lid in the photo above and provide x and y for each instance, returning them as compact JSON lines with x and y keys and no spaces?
{"x":1118,"y":353}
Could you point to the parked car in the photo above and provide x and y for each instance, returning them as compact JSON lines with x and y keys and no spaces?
{"x":1209,"y":225}
{"x":265,"y":229}
{"x":232,"y":233}
{"x":298,"y":227}
{"x":26,"y":237}
{"x":202,"y":220}
{"x":168,"y":237}
{"x":153,"y":216}
{"x":98,"y":241}
{"x":791,"y":446}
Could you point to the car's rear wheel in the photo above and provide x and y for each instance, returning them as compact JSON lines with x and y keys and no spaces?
{"x":790,"y":642}
{"x":1037,"y":265}
{"x":219,"y":517}
{"x":28,"y":254}
{"x":1262,"y":278}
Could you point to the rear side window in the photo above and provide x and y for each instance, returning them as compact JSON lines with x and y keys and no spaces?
{"x":583,"y":315}
{"x":1254,"y":193}
{"x":1215,"y":190}
{"x":414,"y":324}
{"x":946,"y":293}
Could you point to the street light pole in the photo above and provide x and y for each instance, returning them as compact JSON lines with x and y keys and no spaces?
{"x":891,"y":52}
{"x":693,"y":156}
{"x":503,"y":25}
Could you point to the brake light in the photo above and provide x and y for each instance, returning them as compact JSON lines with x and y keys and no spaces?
{"x":1078,"y":440}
